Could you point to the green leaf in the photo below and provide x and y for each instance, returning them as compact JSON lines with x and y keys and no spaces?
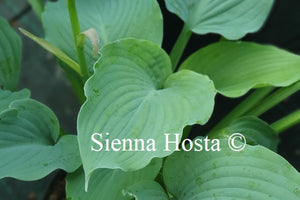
{"x":231,"y":18}
{"x":253,"y":173}
{"x":29,"y":144}
{"x":6,"y":97}
{"x":134,"y":95}
{"x":146,"y":190}
{"x":108,"y":183}
{"x":113,"y":20}
{"x":255,"y":130}
{"x":236,"y":67}
{"x":10,"y":56}
{"x":54,"y":50}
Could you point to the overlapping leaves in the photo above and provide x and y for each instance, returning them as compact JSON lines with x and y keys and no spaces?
{"x":113,"y":20}
{"x":109,"y":183}
{"x":30,"y":147}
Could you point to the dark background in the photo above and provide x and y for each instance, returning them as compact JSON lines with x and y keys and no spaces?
{"x":48,"y":84}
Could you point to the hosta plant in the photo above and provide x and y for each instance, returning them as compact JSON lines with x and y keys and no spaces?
{"x":138,"y":103}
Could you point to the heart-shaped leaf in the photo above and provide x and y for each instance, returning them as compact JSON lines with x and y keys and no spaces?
{"x":109,"y":183}
{"x":255,"y":131}
{"x":231,"y":18}
{"x":146,"y":190}
{"x":236,"y":67}
{"x":10,"y":56}
{"x":253,"y":173}
{"x":30,"y":147}
{"x":134,"y":95}
{"x":113,"y":20}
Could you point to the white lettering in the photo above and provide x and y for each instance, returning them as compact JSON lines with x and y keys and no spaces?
{"x":176,"y":142}
{"x":94,"y":139}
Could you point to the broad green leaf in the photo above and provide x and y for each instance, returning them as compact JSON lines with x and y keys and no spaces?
{"x":255,"y":131}
{"x":236,"y":67}
{"x":108,"y":183}
{"x":231,"y":18}
{"x":54,"y":50}
{"x":10,"y":56}
{"x":146,"y":190}
{"x":6,"y":97}
{"x":30,"y":147}
{"x":113,"y":20}
{"x":134,"y":95}
{"x":253,"y":173}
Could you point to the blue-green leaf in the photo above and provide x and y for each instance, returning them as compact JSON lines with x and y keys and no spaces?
{"x":108,"y":183}
{"x":30,"y":147}
{"x":134,"y":95}
{"x":146,"y":190}
{"x":6,"y":97}
{"x":253,"y":173}
{"x":231,"y":18}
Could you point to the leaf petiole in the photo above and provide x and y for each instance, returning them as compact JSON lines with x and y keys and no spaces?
{"x":76,"y":32}
{"x":179,"y":46}
{"x":250,"y":102}
{"x":286,"y":122}
{"x":274,"y":99}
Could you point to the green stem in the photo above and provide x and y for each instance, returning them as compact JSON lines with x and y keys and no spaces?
{"x":286,"y":122}
{"x":38,"y":7}
{"x":76,"y":33}
{"x":179,"y":46}
{"x":251,"y":101}
{"x":274,"y":99}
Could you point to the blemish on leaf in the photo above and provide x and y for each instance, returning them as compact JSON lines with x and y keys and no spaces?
{"x":297,"y":192}
{"x":251,"y":184}
{"x":199,"y":181}
{"x":96,"y":91}
{"x":214,"y":165}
